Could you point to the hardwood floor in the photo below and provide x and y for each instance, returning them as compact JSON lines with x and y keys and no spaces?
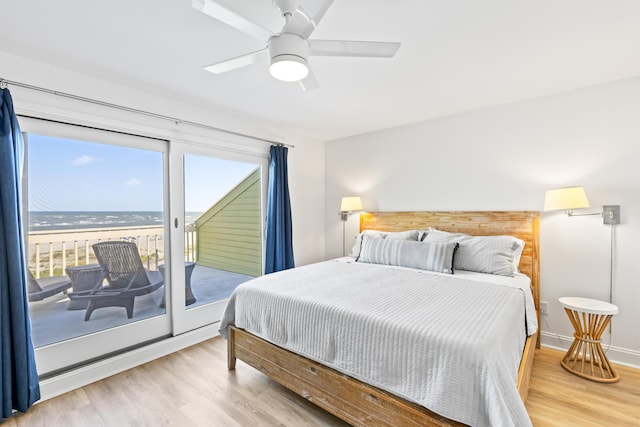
{"x":193,"y":388}
{"x":559,"y":398}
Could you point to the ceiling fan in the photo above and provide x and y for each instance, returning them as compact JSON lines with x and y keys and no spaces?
{"x":286,"y":27}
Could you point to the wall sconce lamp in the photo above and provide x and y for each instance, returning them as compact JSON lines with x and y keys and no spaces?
{"x":348,"y":205}
{"x":570,"y":198}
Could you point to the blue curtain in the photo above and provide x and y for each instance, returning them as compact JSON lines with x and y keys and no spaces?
{"x":20,"y":388}
{"x":279,"y":243}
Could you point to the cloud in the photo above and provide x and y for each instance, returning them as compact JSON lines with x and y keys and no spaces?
{"x":133,"y":182}
{"x":83,"y":160}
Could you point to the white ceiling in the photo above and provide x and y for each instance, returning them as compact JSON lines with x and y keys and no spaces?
{"x":456,"y":55}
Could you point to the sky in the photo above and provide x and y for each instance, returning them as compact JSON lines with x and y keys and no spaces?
{"x":70,"y":175}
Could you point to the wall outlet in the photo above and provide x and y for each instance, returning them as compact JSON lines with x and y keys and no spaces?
{"x":544,"y":307}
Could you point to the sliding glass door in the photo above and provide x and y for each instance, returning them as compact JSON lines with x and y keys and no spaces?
{"x":217,"y":226}
{"x":186,"y":222}
{"x":84,"y":186}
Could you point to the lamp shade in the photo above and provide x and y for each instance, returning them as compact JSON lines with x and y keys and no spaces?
{"x":350,"y":204}
{"x":565,"y":199}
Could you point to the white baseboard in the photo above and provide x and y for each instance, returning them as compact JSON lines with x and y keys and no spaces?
{"x":619,"y":355}
{"x":76,"y":378}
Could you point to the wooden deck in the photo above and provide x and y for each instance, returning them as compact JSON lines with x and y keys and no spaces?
{"x":51,"y":321}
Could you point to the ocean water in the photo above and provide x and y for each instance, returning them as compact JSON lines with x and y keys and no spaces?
{"x":46,"y":221}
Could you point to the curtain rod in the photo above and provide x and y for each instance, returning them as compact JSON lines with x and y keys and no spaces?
{"x":4,"y":83}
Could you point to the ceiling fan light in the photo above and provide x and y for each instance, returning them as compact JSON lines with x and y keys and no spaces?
{"x":289,"y":68}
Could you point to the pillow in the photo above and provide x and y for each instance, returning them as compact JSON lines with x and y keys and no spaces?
{"x":401,"y":235}
{"x":484,"y":254}
{"x":391,"y":235}
{"x":434,"y":234}
{"x":355,"y":250}
{"x":517,"y":254}
{"x":432,"y":256}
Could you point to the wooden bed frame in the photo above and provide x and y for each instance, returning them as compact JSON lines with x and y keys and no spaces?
{"x":361,"y":404}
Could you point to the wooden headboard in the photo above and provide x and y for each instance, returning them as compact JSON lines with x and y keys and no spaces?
{"x":524,"y":225}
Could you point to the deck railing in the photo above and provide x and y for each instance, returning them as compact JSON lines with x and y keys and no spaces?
{"x":46,"y":248}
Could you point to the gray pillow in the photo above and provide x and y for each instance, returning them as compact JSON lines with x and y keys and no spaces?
{"x":484,"y":254}
{"x":391,"y":235}
{"x":432,"y":256}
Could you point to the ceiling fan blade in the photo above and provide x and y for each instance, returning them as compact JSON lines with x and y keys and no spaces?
{"x":243,"y":15}
{"x":237,"y":62}
{"x":314,"y":11}
{"x":309,"y":82}
{"x":353,"y":48}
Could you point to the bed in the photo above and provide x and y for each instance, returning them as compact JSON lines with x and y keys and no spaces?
{"x":359,"y":346}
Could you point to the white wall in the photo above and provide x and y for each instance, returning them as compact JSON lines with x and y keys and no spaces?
{"x":306,"y":185}
{"x":504,"y":158}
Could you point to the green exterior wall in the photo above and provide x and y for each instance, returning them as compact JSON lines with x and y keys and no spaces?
{"x":229,"y":234}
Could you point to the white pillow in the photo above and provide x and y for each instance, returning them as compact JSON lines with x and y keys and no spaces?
{"x":355,"y":250}
{"x":432,"y":256}
{"x":485,"y":254}
{"x":391,"y":235}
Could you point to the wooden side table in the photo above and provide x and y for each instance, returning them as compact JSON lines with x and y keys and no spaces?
{"x":585,"y":357}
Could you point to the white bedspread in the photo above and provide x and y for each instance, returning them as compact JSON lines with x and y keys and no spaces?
{"x":451,"y":343}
